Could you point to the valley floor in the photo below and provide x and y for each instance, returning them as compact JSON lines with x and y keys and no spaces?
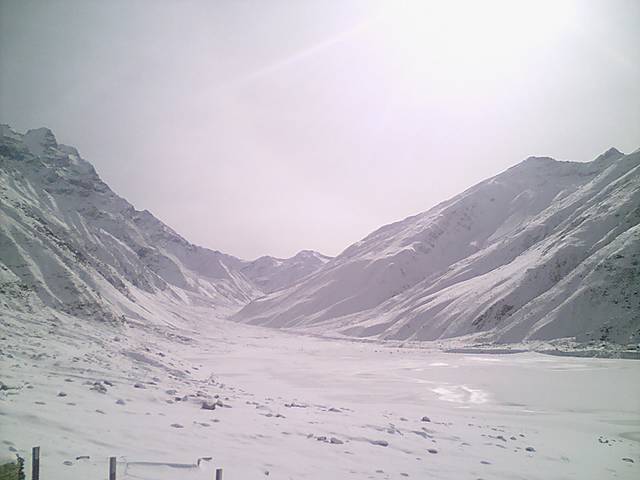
{"x":299,"y":407}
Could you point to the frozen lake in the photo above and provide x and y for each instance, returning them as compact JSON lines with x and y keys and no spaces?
{"x":304,"y":407}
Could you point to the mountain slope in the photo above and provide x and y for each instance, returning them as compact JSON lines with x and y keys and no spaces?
{"x":67,"y":241}
{"x":544,"y":250}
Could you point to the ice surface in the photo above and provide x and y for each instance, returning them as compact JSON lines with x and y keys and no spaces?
{"x":304,"y":407}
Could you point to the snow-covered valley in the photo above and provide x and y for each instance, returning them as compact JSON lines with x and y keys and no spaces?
{"x":544,"y":251}
{"x":118,"y":337}
{"x":291,"y":406}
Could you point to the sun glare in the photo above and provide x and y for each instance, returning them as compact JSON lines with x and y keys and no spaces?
{"x":462,"y":35}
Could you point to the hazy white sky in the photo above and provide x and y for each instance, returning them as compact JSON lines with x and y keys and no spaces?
{"x":265,"y":127}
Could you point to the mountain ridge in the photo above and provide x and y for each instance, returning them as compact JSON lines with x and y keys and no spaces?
{"x":380,"y":286}
{"x":546,"y":249}
{"x":67,"y":241}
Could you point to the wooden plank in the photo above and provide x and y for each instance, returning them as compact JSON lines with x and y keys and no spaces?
{"x":35,"y":463}
{"x":112,"y":468}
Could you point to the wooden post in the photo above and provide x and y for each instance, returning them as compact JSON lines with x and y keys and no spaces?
{"x":218,"y":474}
{"x":112,"y":468}
{"x":35,"y":463}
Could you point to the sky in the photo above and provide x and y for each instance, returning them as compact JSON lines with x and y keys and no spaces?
{"x":267,"y":126}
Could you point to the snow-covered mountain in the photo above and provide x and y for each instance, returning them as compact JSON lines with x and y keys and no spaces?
{"x":153,"y":388}
{"x":68,"y":242}
{"x":545,"y":250}
{"x":271,"y":273}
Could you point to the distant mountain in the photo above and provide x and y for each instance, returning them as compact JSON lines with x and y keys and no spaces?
{"x":271,"y":274}
{"x":545,"y":250}
{"x":68,"y":242}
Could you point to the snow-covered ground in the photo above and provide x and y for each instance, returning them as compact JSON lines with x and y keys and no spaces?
{"x":300,"y":407}
{"x":114,"y":334}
